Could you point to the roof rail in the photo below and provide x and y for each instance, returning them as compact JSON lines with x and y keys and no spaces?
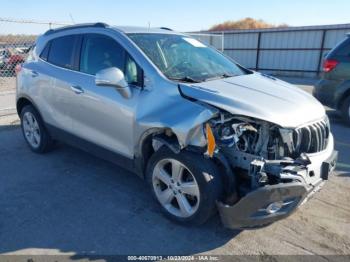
{"x":166,"y":28}
{"x":99,"y":24}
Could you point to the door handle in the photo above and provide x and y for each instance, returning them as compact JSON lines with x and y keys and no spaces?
{"x":35,"y":74}
{"x":77,"y":89}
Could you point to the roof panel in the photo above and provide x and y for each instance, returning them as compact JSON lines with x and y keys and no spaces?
{"x":144,"y":30}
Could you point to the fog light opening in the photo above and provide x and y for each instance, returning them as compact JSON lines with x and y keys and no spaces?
{"x":274,"y":207}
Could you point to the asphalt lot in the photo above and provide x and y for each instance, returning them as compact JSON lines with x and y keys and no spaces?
{"x":68,"y":202}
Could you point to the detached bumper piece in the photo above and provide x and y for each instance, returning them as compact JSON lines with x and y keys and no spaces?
{"x":255,"y":208}
{"x":329,"y":165}
{"x":270,"y":203}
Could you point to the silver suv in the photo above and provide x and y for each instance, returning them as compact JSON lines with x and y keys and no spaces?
{"x":206,"y":133}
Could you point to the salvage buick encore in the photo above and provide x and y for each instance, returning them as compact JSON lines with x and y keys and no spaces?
{"x":206,"y":133}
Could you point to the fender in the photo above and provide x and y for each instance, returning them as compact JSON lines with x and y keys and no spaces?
{"x":184,"y":120}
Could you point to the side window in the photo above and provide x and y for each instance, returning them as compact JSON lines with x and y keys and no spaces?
{"x":62,"y":51}
{"x":101,"y":52}
{"x":133,"y":73}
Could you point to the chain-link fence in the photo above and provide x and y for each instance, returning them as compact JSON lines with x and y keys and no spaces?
{"x":16,"y":39}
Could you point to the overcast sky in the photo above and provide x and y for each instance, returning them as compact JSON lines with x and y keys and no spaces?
{"x":181,"y":15}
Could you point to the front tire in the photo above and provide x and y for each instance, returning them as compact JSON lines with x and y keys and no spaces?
{"x":345,"y":110}
{"x":34,"y":131}
{"x":186,"y":185}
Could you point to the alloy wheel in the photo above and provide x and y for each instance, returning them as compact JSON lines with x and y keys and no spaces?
{"x":31,"y":129}
{"x":176,"y":188}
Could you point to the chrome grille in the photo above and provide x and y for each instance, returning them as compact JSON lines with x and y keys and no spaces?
{"x":311,"y":138}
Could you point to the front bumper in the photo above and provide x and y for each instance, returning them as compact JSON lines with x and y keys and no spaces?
{"x":253,"y":210}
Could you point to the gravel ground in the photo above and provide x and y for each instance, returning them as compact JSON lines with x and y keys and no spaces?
{"x":7,"y":83}
{"x":68,"y":202}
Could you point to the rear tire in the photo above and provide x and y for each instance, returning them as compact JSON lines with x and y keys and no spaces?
{"x":34,"y":131}
{"x":345,"y":110}
{"x":186,"y":185}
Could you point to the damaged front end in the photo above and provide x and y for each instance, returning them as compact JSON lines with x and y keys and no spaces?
{"x":269,"y":170}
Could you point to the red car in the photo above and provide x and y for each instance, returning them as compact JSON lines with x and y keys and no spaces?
{"x":9,"y":59}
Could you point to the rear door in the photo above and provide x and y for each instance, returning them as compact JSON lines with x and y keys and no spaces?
{"x":55,"y":80}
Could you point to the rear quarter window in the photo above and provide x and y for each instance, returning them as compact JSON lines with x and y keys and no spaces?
{"x":45,"y":53}
{"x":31,"y":53}
{"x":62,"y":51}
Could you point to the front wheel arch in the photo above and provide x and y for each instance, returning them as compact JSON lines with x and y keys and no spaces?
{"x":345,"y":110}
{"x":343,"y":98}
{"x":145,"y":149}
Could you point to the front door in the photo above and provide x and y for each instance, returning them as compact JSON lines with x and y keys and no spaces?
{"x":100,"y":114}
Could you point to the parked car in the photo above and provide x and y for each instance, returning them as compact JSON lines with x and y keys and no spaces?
{"x":9,"y":59}
{"x":23,"y":50}
{"x":205,"y":133}
{"x":333,"y":90}
{"x":2,"y":57}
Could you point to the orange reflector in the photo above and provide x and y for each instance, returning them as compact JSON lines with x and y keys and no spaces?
{"x":210,"y":140}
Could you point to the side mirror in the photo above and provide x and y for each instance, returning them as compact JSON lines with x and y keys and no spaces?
{"x":114,"y":77}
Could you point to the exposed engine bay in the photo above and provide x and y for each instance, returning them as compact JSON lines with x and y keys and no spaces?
{"x":261,"y":153}
{"x":248,"y":136}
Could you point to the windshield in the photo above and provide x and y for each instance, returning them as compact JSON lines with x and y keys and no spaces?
{"x":184,"y":58}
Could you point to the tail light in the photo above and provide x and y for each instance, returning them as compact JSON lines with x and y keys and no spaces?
{"x":329,"y":65}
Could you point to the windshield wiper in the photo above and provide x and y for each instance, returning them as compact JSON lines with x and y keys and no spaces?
{"x":219,"y":77}
{"x":187,"y":79}
{"x":227,"y":75}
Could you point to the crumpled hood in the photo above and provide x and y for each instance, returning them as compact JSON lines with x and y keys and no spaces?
{"x":258,"y":96}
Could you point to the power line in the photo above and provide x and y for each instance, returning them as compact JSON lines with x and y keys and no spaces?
{"x":23,"y":21}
